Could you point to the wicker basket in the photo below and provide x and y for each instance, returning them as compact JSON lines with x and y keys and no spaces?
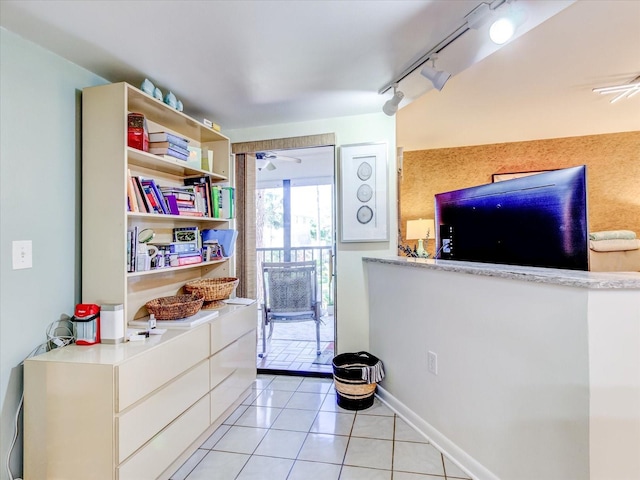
{"x":174,"y":307}
{"x":212,"y":288}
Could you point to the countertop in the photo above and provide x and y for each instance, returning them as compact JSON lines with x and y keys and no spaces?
{"x":571,"y":278}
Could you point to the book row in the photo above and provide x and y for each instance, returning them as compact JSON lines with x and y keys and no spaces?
{"x":198,"y":197}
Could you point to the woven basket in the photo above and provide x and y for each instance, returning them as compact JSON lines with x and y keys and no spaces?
{"x":174,"y":307}
{"x":354,"y":393}
{"x":212,"y":288}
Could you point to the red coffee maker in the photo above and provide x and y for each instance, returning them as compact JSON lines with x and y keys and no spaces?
{"x":86,"y":323}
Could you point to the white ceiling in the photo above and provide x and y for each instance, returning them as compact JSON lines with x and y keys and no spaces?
{"x":254,"y":63}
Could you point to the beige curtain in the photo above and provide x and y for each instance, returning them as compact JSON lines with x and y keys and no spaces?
{"x":246,"y":224}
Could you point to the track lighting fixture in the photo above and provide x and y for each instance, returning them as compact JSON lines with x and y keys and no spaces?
{"x":625,"y":90}
{"x":437,"y":77}
{"x":391,"y":106}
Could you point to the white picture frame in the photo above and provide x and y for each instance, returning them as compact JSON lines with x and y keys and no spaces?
{"x":364,"y":215}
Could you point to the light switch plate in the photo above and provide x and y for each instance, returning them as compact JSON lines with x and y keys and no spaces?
{"x":22,"y":254}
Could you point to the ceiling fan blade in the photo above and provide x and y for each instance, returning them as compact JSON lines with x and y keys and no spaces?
{"x":272,"y":156}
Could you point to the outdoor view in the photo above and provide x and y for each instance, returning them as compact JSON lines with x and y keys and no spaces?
{"x":294,"y":224}
{"x":310,"y":228}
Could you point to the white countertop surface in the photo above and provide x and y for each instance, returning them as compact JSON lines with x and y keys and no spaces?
{"x":572,"y":278}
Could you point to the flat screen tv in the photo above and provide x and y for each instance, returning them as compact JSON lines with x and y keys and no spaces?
{"x":538,"y":220}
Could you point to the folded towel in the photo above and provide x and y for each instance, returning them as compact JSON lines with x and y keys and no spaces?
{"x":612,"y":235}
{"x":615,"y":245}
{"x":373,"y":374}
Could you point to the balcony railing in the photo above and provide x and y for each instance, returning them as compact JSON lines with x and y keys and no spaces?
{"x":321,"y":255}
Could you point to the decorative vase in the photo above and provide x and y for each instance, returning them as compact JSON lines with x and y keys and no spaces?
{"x":171,"y":100}
{"x":147,"y":87}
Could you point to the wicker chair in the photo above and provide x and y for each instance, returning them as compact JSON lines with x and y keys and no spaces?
{"x":290,"y":295}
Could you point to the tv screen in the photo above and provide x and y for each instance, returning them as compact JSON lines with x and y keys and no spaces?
{"x":538,"y":220}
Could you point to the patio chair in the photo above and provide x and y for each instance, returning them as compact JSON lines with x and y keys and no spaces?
{"x":290,"y":295}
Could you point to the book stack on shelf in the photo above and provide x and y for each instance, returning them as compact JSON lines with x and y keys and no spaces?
{"x":197,"y":198}
{"x":185,"y":201}
{"x":169,"y":145}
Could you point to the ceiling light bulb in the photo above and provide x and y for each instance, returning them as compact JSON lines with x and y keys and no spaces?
{"x":270,"y":166}
{"x":437,"y":77}
{"x":391,"y":106}
{"x":502,"y":30}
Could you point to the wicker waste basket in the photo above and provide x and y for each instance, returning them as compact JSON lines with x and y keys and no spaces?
{"x":355,"y":376}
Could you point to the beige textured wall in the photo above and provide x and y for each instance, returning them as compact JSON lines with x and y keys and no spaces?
{"x":613,"y":174}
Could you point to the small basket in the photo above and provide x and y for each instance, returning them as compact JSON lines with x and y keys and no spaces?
{"x":212,"y":288}
{"x":355,"y":390}
{"x":175,"y":307}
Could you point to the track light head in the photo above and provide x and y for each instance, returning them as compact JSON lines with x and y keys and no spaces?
{"x":391,"y":106}
{"x":437,"y":77}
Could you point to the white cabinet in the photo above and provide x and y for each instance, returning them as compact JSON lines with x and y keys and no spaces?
{"x":132,"y":411}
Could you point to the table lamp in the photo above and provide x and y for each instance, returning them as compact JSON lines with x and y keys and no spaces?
{"x":419,"y":230}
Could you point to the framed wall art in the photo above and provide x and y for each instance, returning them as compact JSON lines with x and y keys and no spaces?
{"x":363,"y":193}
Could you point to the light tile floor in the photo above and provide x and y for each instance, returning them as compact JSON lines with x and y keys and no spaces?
{"x":291,"y":428}
{"x":293,"y":347}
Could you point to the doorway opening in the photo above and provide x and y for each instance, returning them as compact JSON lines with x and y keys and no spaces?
{"x":294,"y":202}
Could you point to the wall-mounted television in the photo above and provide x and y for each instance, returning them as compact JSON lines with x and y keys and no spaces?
{"x":538,"y":220}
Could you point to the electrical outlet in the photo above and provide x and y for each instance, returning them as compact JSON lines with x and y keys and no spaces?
{"x":432,"y":362}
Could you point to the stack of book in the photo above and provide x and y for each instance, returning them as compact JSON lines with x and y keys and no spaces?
{"x":184,"y":200}
{"x":168,"y":144}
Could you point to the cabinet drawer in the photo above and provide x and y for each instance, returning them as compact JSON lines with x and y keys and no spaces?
{"x":228,"y":328}
{"x":146,"y":419}
{"x":239,"y":355}
{"x":162,"y":450}
{"x":229,"y":392}
{"x":150,"y":370}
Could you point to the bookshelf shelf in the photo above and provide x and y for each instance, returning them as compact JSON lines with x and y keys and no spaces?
{"x":157,"y":163}
{"x":174,"y":269}
{"x":160,"y":218}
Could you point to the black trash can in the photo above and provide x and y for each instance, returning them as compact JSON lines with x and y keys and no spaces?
{"x":355,"y":376}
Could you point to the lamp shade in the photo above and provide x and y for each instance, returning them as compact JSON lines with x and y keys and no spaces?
{"x":437,"y":77}
{"x":419,"y":229}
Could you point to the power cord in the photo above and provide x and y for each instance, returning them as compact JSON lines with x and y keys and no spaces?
{"x":59,"y":334}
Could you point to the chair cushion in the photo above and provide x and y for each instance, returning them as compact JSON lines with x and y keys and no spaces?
{"x":289,"y":294}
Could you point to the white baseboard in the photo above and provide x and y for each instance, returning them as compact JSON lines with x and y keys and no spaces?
{"x":455,"y":454}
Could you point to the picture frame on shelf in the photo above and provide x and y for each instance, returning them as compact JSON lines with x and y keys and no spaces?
{"x":363,"y":193}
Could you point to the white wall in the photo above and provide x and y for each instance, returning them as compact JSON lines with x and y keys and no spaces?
{"x":351,"y":300}
{"x":534,"y":381}
{"x":40,"y":201}
{"x":511,"y":397}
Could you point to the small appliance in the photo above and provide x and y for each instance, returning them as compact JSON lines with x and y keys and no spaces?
{"x":86,"y":323}
{"x":111,"y":323}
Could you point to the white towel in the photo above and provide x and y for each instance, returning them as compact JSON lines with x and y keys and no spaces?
{"x":612,"y":235}
{"x":614,"y":245}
